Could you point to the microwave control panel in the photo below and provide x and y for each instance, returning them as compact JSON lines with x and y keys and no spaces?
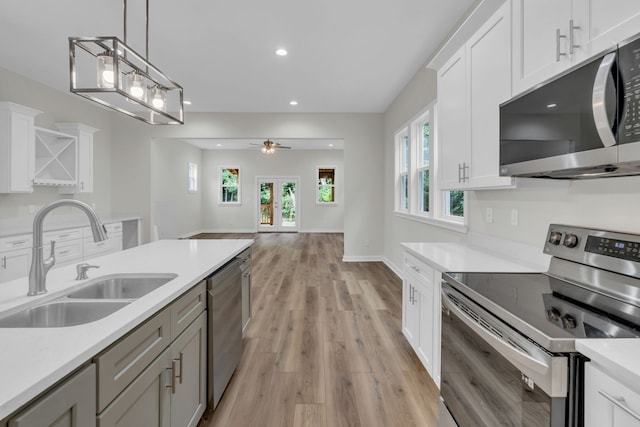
{"x":629,"y":63}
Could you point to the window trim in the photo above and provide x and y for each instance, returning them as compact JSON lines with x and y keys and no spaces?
{"x":436,"y":215}
{"x":221,"y":202}
{"x":318,"y":185}
{"x":192,"y":177}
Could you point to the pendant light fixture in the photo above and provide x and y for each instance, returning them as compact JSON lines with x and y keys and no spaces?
{"x":109,"y":72}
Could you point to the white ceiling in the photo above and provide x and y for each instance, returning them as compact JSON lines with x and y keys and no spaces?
{"x":241,"y":144}
{"x":344,"y":55}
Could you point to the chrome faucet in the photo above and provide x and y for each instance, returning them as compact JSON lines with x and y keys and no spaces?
{"x":40,"y":266}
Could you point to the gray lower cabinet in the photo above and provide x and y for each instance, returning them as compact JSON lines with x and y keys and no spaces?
{"x":156,"y":376}
{"x":189,"y":369}
{"x":70,"y":404}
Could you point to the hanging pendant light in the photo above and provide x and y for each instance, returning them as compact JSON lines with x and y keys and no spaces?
{"x":109,"y":72}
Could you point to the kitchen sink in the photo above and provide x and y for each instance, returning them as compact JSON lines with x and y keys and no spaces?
{"x":128,"y":286}
{"x":61,"y":313}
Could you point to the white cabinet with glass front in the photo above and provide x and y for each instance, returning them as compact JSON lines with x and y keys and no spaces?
{"x":550,"y":36}
{"x":471,"y":86}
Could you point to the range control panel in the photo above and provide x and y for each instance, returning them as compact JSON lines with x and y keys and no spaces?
{"x":613,"y":247}
{"x":599,"y":248}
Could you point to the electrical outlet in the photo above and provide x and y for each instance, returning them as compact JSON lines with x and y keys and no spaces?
{"x":32,"y":209}
{"x":514,"y":217}
{"x":489,"y":216}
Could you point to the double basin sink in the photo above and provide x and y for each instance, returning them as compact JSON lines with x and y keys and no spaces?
{"x":95,"y":300}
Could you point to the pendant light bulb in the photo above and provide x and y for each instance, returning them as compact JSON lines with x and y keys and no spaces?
{"x":159,"y":99}
{"x":136,"y":86}
{"x":106,"y":75}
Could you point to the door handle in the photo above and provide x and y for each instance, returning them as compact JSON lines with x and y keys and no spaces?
{"x":620,"y":403}
{"x":558,"y":37}
{"x":599,"y":106}
{"x":572,"y":39}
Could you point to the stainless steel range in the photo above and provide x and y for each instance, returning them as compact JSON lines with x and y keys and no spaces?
{"x":508,"y":339}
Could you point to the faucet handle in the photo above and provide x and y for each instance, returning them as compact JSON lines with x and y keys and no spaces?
{"x":81,"y":270}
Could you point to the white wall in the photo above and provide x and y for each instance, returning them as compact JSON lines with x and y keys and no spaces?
{"x":609,"y":203}
{"x":284,"y":163}
{"x":174,"y":210}
{"x":58,"y":107}
{"x":363,"y":160}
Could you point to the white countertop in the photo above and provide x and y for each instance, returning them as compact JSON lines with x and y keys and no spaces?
{"x":34,"y":359}
{"x":462,"y":257}
{"x":618,"y":357}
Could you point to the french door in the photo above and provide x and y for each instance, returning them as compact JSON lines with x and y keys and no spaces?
{"x":277,"y":204}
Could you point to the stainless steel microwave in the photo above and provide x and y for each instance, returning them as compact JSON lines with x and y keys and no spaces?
{"x":584,"y":123}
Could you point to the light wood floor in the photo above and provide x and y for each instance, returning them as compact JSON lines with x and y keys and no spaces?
{"x":325,"y":346}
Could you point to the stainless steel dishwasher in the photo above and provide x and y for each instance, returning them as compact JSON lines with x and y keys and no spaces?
{"x":224,"y":299}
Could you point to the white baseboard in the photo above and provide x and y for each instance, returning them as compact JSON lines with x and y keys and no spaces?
{"x":369,"y":258}
{"x":392,"y":267}
{"x":318,"y":230}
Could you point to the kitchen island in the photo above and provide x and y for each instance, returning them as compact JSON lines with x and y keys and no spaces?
{"x":34,"y":359}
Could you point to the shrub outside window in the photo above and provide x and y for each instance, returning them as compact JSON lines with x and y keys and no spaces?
{"x":230,"y":185}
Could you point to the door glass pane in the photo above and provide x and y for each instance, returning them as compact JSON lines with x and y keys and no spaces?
{"x":288,"y":204}
{"x":266,"y":203}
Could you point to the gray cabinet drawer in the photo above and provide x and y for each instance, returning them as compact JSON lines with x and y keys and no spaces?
{"x":187,"y":308}
{"x":125,"y":360}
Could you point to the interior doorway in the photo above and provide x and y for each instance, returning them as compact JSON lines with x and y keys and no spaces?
{"x":278,"y":204}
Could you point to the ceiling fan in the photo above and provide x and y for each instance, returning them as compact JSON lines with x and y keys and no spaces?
{"x":269,"y":147}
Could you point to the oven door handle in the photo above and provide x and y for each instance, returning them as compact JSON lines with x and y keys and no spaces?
{"x":514,"y":355}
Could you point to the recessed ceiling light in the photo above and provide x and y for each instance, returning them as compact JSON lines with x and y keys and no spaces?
{"x":552,"y":105}
{"x":186,"y":102}
{"x":218,"y":145}
{"x":281,"y":52}
{"x":330,"y":145}
{"x":293,"y":103}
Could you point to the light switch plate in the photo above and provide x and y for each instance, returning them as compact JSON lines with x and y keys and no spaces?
{"x":514,"y":217}
{"x":489,"y":216}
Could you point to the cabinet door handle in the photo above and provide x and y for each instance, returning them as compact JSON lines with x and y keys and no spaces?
{"x":181,"y":360}
{"x":620,"y":403}
{"x":172,"y":385}
{"x":558,"y":37}
{"x":572,"y":39}
{"x":4,"y":262}
{"x":460,"y":172}
{"x":82,"y":185}
{"x":18,"y":242}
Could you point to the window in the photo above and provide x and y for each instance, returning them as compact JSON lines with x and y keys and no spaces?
{"x":326,"y":185}
{"x":192,"y":185}
{"x":230,"y":185}
{"x":417,"y":193}
{"x":402,"y":150}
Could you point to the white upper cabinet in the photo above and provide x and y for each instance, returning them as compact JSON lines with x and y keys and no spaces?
{"x":608,"y":23}
{"x":550,"y":36}
{"x":17,"y":148}
{"x":452,"y":121}
{"x":84,"y":167}
{"x":541,"y":40}
{"x":471,"y":86}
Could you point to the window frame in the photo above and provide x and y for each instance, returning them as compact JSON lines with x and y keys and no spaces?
{"x":437,"y":214}
{"x":333,"y":186}
{"x":192,"y":177}
{"x":401,"y":138}
{"x":221,"y":187}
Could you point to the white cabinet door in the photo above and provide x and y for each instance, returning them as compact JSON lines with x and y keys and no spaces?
{"x":608,"y":23}
{"x":426,"y":344}
{"x":489,"y":68}
{"x":14,"y":264}
{"x":453,"y":125}
{"x":410,"y":311}
{"x":17,"y":148}
{"x":541,"y":41}
{"x":609,"y":403}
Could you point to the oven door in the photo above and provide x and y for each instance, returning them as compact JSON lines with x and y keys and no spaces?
{"x":493,"y":376}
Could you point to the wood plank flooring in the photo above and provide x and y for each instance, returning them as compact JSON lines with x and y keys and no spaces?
{"x":325,"y":345}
